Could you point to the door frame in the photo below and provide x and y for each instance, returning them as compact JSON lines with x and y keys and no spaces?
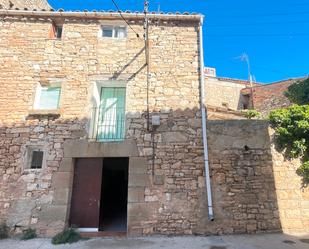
{"x":83,"y":148}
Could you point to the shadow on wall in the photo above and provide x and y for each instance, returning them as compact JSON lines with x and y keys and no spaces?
{"x":173,"y":152}
{"x":244,"y":176}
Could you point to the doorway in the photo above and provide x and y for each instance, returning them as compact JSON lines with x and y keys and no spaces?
{"x":99,"y":195}
{"x":114,"y":195}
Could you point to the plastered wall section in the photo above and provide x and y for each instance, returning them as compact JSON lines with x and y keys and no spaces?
{"x":222,"y":93}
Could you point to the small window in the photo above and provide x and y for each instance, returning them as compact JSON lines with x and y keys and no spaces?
{"x":107,"y":32}
{"x":37,"y":159}
{"x":47,"y":98}
{"x":114,"y":32}
{"x":56,"y":31}
{"x":120,"y":32}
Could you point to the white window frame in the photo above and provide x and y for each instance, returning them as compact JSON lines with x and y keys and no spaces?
{"x":113,"y":27}
{"x":39,"y":88}
{"x":96,"y":100}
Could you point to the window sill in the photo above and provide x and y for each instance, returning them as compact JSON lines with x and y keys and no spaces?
{"x":43,"y":114}
{"x":110,"y":141}
{"x":112,"y":38}
{"x":29,"y":171}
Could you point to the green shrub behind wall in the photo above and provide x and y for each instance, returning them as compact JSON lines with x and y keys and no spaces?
{"x":292,"y":134}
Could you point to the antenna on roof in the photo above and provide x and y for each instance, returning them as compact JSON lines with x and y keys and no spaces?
{"x":159,"y":6}
{"x":245,"y":57}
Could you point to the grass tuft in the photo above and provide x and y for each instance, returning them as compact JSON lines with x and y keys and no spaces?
{"x":29,"y":234}
{"x":4,"y":231}
{"x":67,"y":236}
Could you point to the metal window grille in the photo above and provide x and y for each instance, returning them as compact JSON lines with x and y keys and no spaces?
{"x":37,"y":160}
{"x":111,"y":115}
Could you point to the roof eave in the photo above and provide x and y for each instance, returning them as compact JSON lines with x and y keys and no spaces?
{"x":98,"y":15}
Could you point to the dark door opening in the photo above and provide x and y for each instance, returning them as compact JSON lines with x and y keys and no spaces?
{"x":114,"y":195}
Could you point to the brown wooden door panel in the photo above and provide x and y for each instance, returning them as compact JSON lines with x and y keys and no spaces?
{"x":86,"y":194}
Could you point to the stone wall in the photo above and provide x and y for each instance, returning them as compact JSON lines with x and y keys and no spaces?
{"x":78,"y":61}
{"x":28,"y":196}
{"x":168,"y":194}
{"x":81,"y":58}
{"x":293,"y":197}
{"x":255,"y":189}
{"x":243,"y":183}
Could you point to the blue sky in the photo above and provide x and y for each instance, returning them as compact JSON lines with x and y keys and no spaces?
{"x":274,"y":33}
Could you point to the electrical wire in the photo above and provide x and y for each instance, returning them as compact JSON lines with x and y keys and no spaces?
{"x":120,"y":13}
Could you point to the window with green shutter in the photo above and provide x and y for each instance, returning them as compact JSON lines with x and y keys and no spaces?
{"x":111,"y":122}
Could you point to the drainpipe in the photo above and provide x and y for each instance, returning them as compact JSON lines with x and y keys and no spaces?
{"x":204,"y":125}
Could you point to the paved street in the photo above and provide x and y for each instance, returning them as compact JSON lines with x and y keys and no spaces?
{"x":269,"y":241}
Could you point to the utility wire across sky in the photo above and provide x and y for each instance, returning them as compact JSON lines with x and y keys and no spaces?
{"x":120,"y":13}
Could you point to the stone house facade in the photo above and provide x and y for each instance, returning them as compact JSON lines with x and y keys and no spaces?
{"x":79,"y":148}
{"x":82,"y":94}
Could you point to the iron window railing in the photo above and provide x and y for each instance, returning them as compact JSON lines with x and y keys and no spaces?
{"x":108,"y":126}
{"x":109,"y":122}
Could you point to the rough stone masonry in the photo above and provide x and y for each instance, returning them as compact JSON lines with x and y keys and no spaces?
{"x":166,"y":193}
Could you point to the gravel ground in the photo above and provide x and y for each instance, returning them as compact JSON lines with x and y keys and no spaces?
{"x":268,"y":241}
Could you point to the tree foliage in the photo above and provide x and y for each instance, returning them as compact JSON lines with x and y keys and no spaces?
{"x":298,"y":92}
{"x":292,"y":133}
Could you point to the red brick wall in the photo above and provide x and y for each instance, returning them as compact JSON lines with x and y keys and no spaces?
{"x":270,"y":97}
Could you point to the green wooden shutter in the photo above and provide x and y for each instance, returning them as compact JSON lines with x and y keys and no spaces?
{"x":111,"y":124}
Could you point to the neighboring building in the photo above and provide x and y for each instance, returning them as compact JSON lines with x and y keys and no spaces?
{"x":271,"y":96}
{"x":226,"y":93}
{"x":223,"y":96}
{"x":236,"y":95}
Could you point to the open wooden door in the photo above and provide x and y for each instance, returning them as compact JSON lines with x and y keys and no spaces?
{"x":86,"y":194}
